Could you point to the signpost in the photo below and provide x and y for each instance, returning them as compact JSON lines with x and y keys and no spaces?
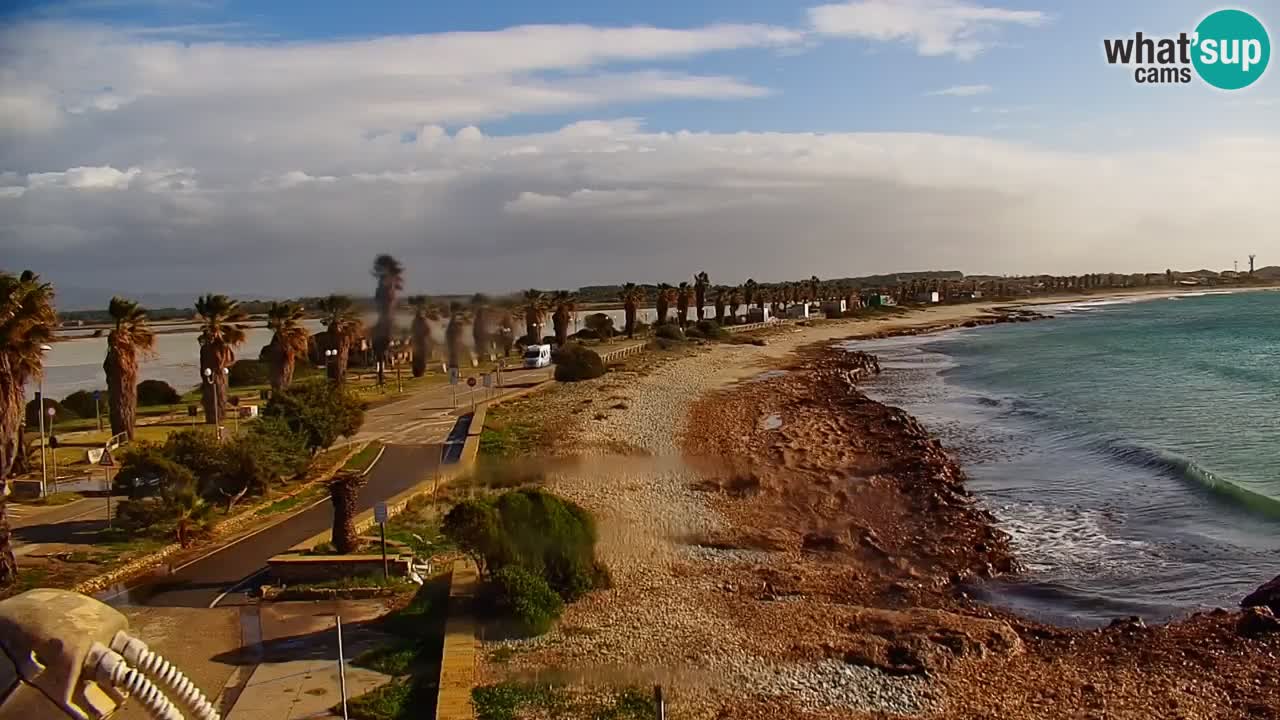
{"x":107,"y":462}
{"x":191,"y":413}
{"x":453,"y":383}
{"x":380,"y":515}
{"x":97,"y":409}
{"x":488,"y":384}
{"x":471,"y":383}
{"x":53,"y":449}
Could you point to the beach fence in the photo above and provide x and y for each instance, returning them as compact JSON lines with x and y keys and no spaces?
{"x":617,"y":355}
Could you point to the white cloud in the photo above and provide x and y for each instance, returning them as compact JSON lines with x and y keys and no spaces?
{"x":962,"y":91}
{"x":934,"y":27}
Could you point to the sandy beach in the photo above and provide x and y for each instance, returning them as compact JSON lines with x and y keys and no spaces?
{"x":784,"y":547}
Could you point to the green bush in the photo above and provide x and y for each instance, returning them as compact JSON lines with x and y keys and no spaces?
{"x":669,"y":331}
{"x":600,"y":324}
{"x":546,"y":535}
{"x":61,"y":412}
{"x":575,"y":362}
{"x":246,"y":372}
{"x":707,"y":329}
{"x":82,"y":404}
{"x":526,"y":599}
{"x":157,"y":392}
{"x":318,"y":410}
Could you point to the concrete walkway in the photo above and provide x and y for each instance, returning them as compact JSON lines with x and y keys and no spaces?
{"x":298,"y":689}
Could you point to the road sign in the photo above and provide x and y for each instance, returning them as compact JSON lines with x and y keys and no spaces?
{"x":488,"y":380}
{"x":471,"y":382}
{"x":107,"y":460}
{"x":97,"y":395}
{"x":380,"y":512}
{"x":453,"y":376}
{"x":191,"y":410}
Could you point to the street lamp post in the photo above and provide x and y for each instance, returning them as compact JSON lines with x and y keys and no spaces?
{"x":44,"y":474}
{"x":53,"y":450}
{"x":217,"y":401}
{"x":331,"y":357}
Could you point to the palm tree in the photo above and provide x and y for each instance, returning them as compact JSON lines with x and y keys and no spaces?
{"x":735,"y":301}
{"x":288,"y":341}
{"x":344,"y":493}
{"x":684,"y":293}
{"x":563,"y":303}
{"x":130,"y":337}
{"x":721,"y":295}
{"x":342,"y":326}
{"x":453,"y":333}
{"x":663,"y":297}
{"x":631,"y":296}
{"x":220,"y":334}
{"x":420,"y":333}
{"x":390,"y":275}
{"x":481,"y":333}
{"x":763,"y":295}
{"x":749,"y":289}
{"x":535,"y":308}
{"x":701,"y":282}
{"x":27,"y":320}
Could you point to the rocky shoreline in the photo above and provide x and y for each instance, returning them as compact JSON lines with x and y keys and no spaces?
{"x":785,"y":547}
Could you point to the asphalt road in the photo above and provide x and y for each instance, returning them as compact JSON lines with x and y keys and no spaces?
{"x":222,"y":575}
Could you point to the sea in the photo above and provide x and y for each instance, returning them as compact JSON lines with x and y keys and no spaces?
{"x":1130,"y":447}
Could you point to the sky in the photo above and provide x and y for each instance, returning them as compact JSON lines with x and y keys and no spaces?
{"x":274,"y":149}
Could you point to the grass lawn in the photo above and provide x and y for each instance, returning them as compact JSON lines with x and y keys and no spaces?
{"x":418,"y":526}
{"x":53,"y":499}
{"x":413,"y":658}
{"x":363,"y":460}
{"x":510,"y":700}
{"x":510,"y":430}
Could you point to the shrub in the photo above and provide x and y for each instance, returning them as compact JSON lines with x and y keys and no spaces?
{"x":82,"y":404}
{"x":575,"y":362}
{"x":61,"y":412}
{"x":669,"y":331}
{"x":600,"y":324}
{"x":526,"y":599}
{"x":546,"y":535}
{"x":318,"y":410}
{"x":249,"y":372}
{"x":157,"y":392}
{"x":708,"y":329}
{"x":586,"y":334}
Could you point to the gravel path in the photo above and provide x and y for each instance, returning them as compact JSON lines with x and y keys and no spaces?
{"x":668,"y":618}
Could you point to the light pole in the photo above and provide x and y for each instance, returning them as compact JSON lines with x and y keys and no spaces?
{"x":217,"y":402}
{"x":53,"y":450}
{"x":44,"y":474}
{"x":331,"y":357}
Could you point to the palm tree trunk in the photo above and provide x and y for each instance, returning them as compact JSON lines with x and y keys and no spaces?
{"x":122,"y":392}
{"x":630,"y":311}
{"x":344,"y":492}
{"x":719,"y":312}
{"x":561,"y":321}
{"x":11,"y":412}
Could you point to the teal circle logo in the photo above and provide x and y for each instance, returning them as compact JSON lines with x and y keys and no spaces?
{"x":1231,"y":49}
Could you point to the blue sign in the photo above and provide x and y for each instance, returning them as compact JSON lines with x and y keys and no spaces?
{"x":97,"y":394}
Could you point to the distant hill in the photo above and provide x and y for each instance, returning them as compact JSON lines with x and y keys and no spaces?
{"x":1270,"y":272}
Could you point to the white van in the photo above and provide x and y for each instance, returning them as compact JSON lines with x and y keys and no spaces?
{"x":537,"y":356}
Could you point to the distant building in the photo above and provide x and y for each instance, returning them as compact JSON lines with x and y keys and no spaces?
{"x":799,"y":311}
{"x":969,"y":294}
{"x":930,"y":296}
{"x":756,"y":315}
{"x":834,"y":307}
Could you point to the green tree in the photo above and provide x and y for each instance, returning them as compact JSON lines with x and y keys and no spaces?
{"x":288,"y":341}
{"x":27,"y":321}
{"x":342,"y":326}
{"x":564,"y":303}
{"x":390,"y":276}
{"x":221,"y":332}
{"x":662,"y":298}
{"x":481,"y":332}
{"x":701,"y":282}
{"x":420,"y":331}
{"x":131,"y":338}
{"x":631,"y":296}
{"x":318,"y":411}
{"x":535,"y":308}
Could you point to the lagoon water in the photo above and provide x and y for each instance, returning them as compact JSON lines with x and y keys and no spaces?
{"x":1131,"y":449}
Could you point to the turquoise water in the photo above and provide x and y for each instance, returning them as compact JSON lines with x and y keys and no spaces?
{"x":1132,"y":449}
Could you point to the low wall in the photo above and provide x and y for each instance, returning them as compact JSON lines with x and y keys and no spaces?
{"x":318,"y":568}
{"x":615,"y":355}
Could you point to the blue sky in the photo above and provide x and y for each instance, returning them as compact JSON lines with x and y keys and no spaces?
{"x":134,"y":126}
{"x":1048,"y":83}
